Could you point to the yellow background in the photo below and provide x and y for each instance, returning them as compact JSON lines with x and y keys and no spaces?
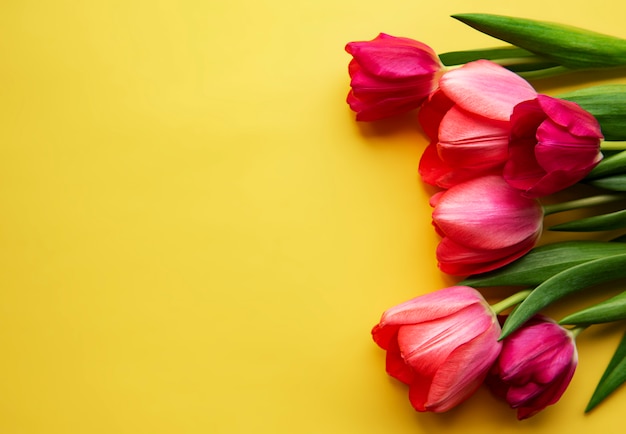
{"x":197,"y":237}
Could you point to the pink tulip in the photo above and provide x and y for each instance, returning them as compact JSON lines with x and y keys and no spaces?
{"x":390,"y":76}
{"x":554,"y":144}
{"x":485,"y":224}
{"x":535,"y":366}
{"x":441,"y":344}
{"x":468,"y":122}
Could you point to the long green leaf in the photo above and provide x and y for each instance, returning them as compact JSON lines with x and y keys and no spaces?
{"x":512,"y":58}
{"x":613,"y":183}
{"x":572,"y":47}
{"x":461,"y":57}
{"x":604,"y":222}
{"x":613,"y":309}
{"x":613,"y":377}
{"x":564,"y":283}
{"x":543,"y":262}
{"x":607,"y":103}
{"x":613,"y":165}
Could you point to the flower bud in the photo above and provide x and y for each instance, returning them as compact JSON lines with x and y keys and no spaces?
{"x":485,"y":224}
{"x":390,"y":76}
{"x":467,"y":120}
{"x":441,"y":344}
{"x":554,"y":144}
{"x":535,"y":366}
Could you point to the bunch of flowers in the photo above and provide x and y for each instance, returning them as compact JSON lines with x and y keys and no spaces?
{"x":499,"y":153}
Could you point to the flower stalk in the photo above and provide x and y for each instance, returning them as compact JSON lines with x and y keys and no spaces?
{"x":510,"y":301}
{"x":585,"y":202}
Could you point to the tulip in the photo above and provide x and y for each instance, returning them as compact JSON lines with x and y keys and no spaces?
{"x":554,"y":144}
{"x":485,"y":224}
{"x":441,"y":344}
{"x":390,"y":76}
{"x":535,"y":366}
{"x":468,"y":122}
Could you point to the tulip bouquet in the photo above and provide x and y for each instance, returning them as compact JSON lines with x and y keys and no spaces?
{"x":500,"y":156}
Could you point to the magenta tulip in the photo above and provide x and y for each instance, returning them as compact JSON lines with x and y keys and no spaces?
{"x":390,"y":76}
{"x":441,"y":344}
{"x":485,"y":224}
{"x":468,"y":122}
{"x":535,"y":366}
{"x":554,"y":144}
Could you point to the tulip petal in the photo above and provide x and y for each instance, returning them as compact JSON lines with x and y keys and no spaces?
{"x":558,"y":149}
{"x":486,"y":213}
{"x":464,"y":371}
{"x":434,"y":171}
{"x":433,"y":111}
{"x":487,"y":89}
{"x":431,"y":306}
{"x":570,"y":116}
{"x":554,"y":144}
{"x":396,"y":366}
{"x":394,"y":57}
{"x":535,"y":366}
{"x":459,"y":260}
{"x":470,"y":141}
{"x":425,"y":349}
{"x":390,"y":76}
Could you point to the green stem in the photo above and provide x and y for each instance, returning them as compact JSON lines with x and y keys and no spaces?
{"x":545,"y":73}
{"x":511,"y":301}
{"x":585,"y":202}
{"x":613,"y":146}
{"x":575,"y":331}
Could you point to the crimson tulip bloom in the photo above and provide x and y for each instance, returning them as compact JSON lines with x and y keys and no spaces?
{"x":468,"y":122}
{"x":485,"y":224}
{"x":441,"y":344}
{"x":554,"y":144}
{"x":535,"y":366}
{"x":390,"y":76}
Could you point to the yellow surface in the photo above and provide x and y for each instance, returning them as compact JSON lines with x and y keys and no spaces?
{"x":196,"y":236}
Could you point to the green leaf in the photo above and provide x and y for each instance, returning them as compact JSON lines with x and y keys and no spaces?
{"x":461,"y":57}
{"x":525,"y":69}
{"x":604,"y":222}
{"x":613,"y":377}
{"x":512,"y":58}
{"x":613,"y":165}
{"x":607,"y":103}
{"x":569,"y":46}
{"x":613,"y":309}
{"x":543,"y":262}
{"x":564,"y":283}
{"x":613,"y":183}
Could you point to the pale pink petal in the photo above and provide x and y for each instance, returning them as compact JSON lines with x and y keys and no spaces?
{"x":464,"y":370}
{"x":431,"y":306}
{"x":486,"y":88}
{"x":425,"y":349}
{"x":470,"y":141}
{"x":458,"y":260}
{"x":486,"y":213}
{"x":435,"y":171}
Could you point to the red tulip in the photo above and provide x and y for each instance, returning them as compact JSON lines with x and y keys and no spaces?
{"x":390,"y":76}
{"x":485,"y":224}
{"x":554,"y":144}
{"x":467,"y":120}
{"x":535,"y":366}
{"x":441,"y":344}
